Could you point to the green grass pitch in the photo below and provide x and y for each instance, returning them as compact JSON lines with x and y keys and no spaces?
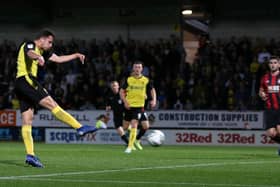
{"x":170,"y":166}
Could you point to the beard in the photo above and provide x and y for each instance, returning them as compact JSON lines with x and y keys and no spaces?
{"x":274,"y":70}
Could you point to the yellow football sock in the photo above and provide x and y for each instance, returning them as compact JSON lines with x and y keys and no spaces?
{"x":65,"y":117}
{"x":26,"y":133}
{"x":132,"y":137}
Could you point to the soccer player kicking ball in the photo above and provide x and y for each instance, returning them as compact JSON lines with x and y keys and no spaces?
{"x":30,"y":92}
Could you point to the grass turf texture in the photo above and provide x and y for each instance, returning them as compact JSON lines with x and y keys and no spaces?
{"x":109,"y":166}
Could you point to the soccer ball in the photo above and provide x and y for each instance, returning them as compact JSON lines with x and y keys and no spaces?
{"x":156,"y":138}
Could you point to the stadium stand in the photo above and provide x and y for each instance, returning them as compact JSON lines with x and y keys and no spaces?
{"x":228,"y":71}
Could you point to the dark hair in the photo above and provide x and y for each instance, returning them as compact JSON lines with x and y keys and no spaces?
{"x":138,"y":62}
{"x":273,"y":57}
{"x":45,"y":33}
{"x":100,"y":117}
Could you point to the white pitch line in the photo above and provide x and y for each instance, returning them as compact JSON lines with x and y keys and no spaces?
{"x":145,"y":182}
{"x":136,"y":169}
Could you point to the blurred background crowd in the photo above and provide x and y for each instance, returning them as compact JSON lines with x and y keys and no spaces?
{"x":224,"y":76}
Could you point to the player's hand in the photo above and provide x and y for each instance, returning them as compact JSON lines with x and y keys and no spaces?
{"x":41,"y":61}
{"x":126,"y":105}
{"x":81,"y":57}
{"x":263,"y":95}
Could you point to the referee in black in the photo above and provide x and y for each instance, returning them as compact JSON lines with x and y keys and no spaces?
{"x":114,"y":103}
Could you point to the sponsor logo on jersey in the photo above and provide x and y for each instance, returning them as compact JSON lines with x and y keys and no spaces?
{"x":273,"y":89}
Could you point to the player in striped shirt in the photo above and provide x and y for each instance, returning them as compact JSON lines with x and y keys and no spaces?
{"x":270,"y":93}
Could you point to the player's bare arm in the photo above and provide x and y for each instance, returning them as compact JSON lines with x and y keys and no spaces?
{"x":153,"y":102}
{"x":33,"y":55}
{"x":122,"y":96}
{"x":66,"y":58}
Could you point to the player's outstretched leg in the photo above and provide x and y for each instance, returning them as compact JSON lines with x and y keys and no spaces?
{"x":33,"y":161}
{"x":86,"y":129}
{"x":65,"y":117}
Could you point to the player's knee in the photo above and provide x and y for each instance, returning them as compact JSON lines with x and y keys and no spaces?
{"x":278,"y":129}
{"x":125,"y":125}
{"x":120,"y":131}
{"x":145,"y":125}
{"x":272,"y":133}
{"x":48,"y":103}
{"x":26,"y":121}
{"x":27,"y":117}
{"x":134,"y":124}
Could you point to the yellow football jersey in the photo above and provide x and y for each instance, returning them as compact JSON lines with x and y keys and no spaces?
{"x":26,"y":65}
{"x":136,"y":90}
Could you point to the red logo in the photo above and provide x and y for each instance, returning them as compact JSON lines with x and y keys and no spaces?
{"x":8,"y":118}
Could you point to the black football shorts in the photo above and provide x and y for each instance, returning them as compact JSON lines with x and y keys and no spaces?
{"x":272,"y":118}
{"x":29,"y":96}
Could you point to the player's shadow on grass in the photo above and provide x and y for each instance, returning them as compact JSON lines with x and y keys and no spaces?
{"x":11,"y":163}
